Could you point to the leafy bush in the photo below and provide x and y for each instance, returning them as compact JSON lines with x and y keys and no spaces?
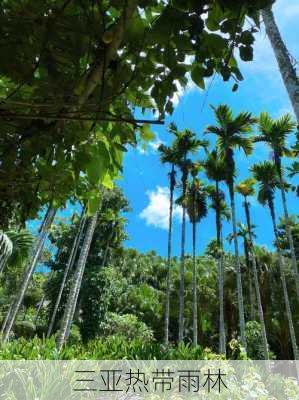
{"x":127,"y":325}
{"x":75,"y":335}
{"x":254,"y":340}
{"x":24,"y":329}
{"x":111,"y":348}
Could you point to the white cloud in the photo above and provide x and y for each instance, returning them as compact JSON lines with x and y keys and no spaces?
{"x":156,"y":213}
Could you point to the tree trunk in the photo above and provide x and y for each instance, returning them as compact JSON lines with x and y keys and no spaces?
{"x":37,"y":250}
{"x":283,"y":281}
{"x":289,"y":235}
{"x":238,"y":268}
{"x":76,"y":283}
{"x":222,"y":339}
{"x":256,"y":284}
{"x":182,"y":267}
{"x":41,"y":303}
{"x":96,"y":75}
{"x":6,"y":248}
{"x":251,"y":294}
{"x":69,"y":266}
{"x":167,"y":303}
{"x":287,"y":70}
{"x":194,"y":284}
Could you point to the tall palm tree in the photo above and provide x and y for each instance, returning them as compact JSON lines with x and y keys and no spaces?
{"x":196,"y":204}
{"x":215,"y":170}
{"x":287,"y":69}
{"x":72,"y":299}
{"x":268,"y":179}
{"x":232,"y":132}
{"x":275,"y":133}
{"x":184,"y":144}
{"x":168,"y":155}
{"x":69,"y":266}
{"x":36,"y":253}
{"x":246,"y":189}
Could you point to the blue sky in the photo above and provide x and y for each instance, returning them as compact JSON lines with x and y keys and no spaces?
{"x":145,"y":179}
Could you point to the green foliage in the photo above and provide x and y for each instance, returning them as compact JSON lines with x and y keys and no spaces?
{"x":254,"y":340}
{"x":126,"y":325}
{"x":111,"y":348}
{"x":70,"y":83}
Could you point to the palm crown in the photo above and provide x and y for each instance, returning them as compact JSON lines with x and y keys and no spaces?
{"x":232,"y":132}
{"x":266,"y":175}
{"x":215,"y":167}
{"x":275,"y":133}
{"x":246,"y":187}
{"x":196,"y":201}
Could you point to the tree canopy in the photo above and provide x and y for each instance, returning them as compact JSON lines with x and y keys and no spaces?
{"x":74,"y":72}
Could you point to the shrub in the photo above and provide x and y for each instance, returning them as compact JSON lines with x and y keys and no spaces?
{"x":128,"y":326}
{"x":25,"y":329}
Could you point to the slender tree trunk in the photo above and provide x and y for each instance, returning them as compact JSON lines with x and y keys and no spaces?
{"x":251,"y":294}
{"x":194,"y":284}
{"x":238,"y":268}
{"x":222,"y":339}
{"x":182,"y":267}
{"x":167,"y":303}
{"x":76,"y":283}
{"x":37,"y":250}
{"x":284,"y":284}
{"x":289,"y":235}
{"x":41,"y":303}
{"x":69,"y":266}
{"x":6,"y":248}
{"x":256,"y":283}
{"x":287,"y":70}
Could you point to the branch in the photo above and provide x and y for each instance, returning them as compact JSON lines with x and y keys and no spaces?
{"x":74,"y":118}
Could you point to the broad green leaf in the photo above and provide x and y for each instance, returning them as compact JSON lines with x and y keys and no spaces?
{"x":197,"y":75}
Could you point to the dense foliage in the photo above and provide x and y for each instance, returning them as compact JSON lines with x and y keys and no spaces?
{"x":73,"y":73}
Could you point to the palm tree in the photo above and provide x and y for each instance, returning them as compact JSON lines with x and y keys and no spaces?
{"x":36,"y":253}
{"x":185,"y":143}
{"x":287,"y":70}
{"x":268,"y":179}
{"x":244,"y":234}
{"x":5,"y":249}
{"x":246,"y":189}
{"x":69,"y":266}
{"x":167,"y":155}
{"x":215,"y":170}
{"x":72,"y":299}
{"x":275,"y":133}
{"x":232,"y":132}
{"x":196,"y":204}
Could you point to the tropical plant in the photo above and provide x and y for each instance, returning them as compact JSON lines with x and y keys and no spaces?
{"x":246,"y":189}
{"x":196,"y":204}
{"x":168,"y":155}
{"x":232,"y":132}
{"x":78,"y":98}
{"x":275,"y":133}
{"x":215,"y":170}
{"x":28,"y":272}
{"x":71,"y":303}
{"x":68,"y":268}
{"x":267,"y":176}
{"x":185,"y":143}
